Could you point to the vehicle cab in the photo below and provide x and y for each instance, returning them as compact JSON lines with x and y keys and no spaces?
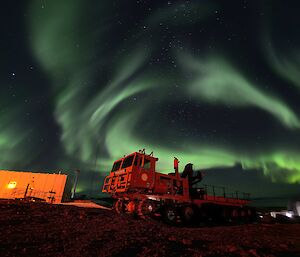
{"x":134,"y":172}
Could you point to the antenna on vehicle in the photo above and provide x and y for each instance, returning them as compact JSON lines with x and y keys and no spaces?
{"x":176,"y":162}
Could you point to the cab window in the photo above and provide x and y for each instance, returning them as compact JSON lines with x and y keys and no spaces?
{"x":146,"y":163}
{"x":127,"y":161}
{"x":116,"y":166}
{"x":136,"y":160}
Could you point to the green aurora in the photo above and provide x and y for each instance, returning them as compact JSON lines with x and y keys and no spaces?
{"x":112,"y":93}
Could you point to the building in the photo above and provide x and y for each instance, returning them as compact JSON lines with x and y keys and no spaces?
{"x":294,"y":205}
{"x":38,"y":186}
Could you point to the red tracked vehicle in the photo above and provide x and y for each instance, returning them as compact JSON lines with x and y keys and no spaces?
{"x":139,"y":189}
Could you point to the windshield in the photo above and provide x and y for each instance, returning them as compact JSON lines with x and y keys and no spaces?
{"x":116,"y":166}
{"x":127,"y":161}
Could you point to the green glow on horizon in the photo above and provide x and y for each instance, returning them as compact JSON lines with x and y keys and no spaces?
{"x":200,"y":156}
{"x":279,"y":166}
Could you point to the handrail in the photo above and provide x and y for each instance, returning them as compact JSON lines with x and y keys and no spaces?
{"x":217,"y":191}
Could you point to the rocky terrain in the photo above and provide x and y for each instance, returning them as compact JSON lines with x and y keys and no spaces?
{"x":40,"y":229}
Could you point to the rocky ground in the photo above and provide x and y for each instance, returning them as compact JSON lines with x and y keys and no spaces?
{"x":55,"y":230}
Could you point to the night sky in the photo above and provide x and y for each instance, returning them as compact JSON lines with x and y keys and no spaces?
{"x":214,"y":83}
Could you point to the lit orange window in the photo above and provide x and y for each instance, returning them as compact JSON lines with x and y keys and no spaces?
{"x":12,"y":184}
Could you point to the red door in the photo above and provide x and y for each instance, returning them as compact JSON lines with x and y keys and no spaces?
{"x":146,"y":174}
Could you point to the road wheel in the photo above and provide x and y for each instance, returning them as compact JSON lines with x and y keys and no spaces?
{"x":235,"y":215}
{"x":189,"y":214}
{"x":252,"y":214}
{"x":170,"y":215}
{"x":244,"y":215}
{"x":226,"y":215}
{"x":146,"y":208}
{"x":120,"y":206}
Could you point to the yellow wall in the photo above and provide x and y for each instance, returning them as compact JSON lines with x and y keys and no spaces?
{"x":13,"y":185}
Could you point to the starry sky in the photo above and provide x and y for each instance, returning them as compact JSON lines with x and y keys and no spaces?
{"x":214,"y":83}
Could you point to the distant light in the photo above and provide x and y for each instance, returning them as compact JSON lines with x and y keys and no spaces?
{"x":289,"y":214}
{"x":297,"y":208}
{"x":12,"y":185}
